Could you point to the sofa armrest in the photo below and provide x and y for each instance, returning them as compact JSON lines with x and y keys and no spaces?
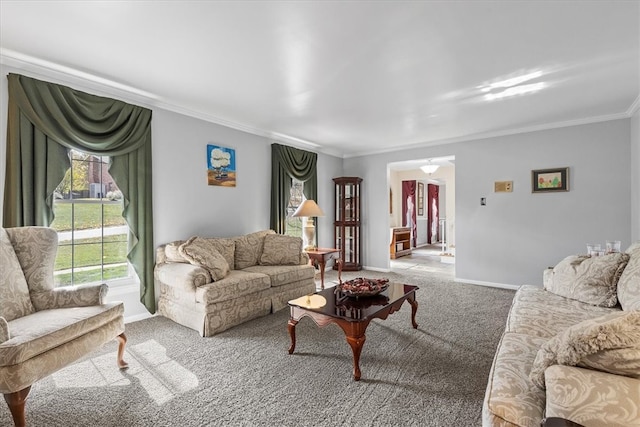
{"x":547,"y":277}
{"x":182,"y":276}
{"x":70,"y":296}
{"x":4,"y":330}
{"x":304,"y":258}
{"x":592,"y":398}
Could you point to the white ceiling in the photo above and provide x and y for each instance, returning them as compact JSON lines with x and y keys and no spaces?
{"x":348,"y":77}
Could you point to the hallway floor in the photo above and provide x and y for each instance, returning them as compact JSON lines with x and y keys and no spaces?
{"x":424,"y":259}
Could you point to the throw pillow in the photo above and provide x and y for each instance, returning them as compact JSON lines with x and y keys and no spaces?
{"x":226,"y":247}
{"x":610,"y":343}
{"x":281,"y":250}
{"x":15,"y":301}
{"x":592,"y":280}
{"x":172,"y":253}
{"x":249,"y":248}
{"x":200,"y":252}
{"x":629,"y":283}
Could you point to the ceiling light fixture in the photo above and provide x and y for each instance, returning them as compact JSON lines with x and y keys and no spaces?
{"x":429,"y":168}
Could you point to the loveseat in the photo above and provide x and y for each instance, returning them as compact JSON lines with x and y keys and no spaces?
{"x":212,"y":284}
{"x":571,"y":349}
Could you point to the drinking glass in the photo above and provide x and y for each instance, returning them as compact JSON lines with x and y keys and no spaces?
{"x":613,"y":246}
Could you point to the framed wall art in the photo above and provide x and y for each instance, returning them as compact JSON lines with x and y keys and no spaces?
{"x":221,"y":166}
{"x":420,"y":199}
{"x":549,"y":180}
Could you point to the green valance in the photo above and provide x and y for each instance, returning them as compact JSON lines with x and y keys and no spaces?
{"x":286,"y":163}
{"x":45,"y":120}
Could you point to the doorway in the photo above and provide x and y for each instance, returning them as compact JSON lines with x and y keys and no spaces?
{"x":433,"y":204}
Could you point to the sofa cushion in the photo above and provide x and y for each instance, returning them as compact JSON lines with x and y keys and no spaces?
{"x":591,"y":280}
{"x":249,"y":248}
{"x":44,"y":330}
{"x":610,"y":343}
{"x":280,"y":249}
{"x":226,"y":247}
{"x":15,"y":301}
{"x":629,"y":283}
{"x":172,"y":252}
{"x":511,"y":399}
{"x":281,"y":275}
{"x":538,"y":312}
{"x":237,"y":283}
{"x":201,"y":252}
{"x":592,"y":398}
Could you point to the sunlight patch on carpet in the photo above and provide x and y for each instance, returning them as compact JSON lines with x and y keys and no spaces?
{"x":161,"y":377}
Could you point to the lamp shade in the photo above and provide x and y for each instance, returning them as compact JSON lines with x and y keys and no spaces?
{"x":308,"y":208}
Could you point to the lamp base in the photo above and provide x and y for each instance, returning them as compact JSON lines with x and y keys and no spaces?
{"x":309,"y":234}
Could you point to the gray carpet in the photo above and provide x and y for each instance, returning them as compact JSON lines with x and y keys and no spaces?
{"x":433,"y":376}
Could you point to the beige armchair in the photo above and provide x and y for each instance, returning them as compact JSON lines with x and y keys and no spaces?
{"x":42,"y":328}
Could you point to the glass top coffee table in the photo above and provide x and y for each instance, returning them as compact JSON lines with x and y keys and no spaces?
{"x":352,"y":315}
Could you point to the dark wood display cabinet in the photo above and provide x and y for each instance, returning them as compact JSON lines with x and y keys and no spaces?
{"x":347,"y":222}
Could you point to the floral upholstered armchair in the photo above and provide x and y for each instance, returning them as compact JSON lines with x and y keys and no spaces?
{"x":42,"y":328}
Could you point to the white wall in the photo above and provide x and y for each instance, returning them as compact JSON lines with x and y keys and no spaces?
{"x":635,"y":176}
{"x":184,"y":205}
{"x":518,"y":234}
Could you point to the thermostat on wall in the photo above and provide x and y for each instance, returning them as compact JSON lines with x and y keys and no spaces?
{"x":503,"y":187}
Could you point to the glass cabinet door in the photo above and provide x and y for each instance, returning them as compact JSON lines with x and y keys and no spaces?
{"x":347,"y":221}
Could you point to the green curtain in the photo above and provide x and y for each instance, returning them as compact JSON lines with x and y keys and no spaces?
{"x":45,"y":120}
{"x":286,"y":163}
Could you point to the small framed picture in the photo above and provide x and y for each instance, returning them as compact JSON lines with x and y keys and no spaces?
{"x":420,"y":199}
{"x":549,"y":180}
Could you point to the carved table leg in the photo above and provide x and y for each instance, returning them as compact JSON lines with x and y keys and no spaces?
{"x":322,"y":263}
{"x":356,"y":344}
{"x":122,"y":341}
{"x":414,"y":309}
{"x":16,"y":402}
{"x":291,"y":325}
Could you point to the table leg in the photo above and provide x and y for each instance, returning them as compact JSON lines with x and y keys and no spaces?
{"x":339,"y":262}
{"x":291,"y":325}
{"x":356,"y":344}
{"x":321,"y":263}
{"x":414,"y":309}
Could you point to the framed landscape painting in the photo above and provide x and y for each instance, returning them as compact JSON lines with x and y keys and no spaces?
{"x":549,"y":180}
{"x":221,"y":166}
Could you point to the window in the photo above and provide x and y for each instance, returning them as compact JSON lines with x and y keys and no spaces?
{"x":92,"y":234}
{"x":293,"y":225}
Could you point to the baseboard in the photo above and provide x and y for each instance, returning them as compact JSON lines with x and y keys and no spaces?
{"x":381,"y":270}
{"x":488,"y":284}
{"x":137,"y":317}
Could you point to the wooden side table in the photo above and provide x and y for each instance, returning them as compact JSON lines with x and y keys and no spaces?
{"x":321,"y":256}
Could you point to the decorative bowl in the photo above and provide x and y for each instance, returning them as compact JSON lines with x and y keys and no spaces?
{"x":362,"y":287}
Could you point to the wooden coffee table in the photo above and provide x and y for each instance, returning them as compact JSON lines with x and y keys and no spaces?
{"x":350,"y":314}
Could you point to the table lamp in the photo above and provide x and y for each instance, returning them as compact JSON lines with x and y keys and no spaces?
{"x":309,"y":209}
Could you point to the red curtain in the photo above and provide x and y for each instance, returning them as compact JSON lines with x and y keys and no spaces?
{"x":433,"y":217}
{"x":409,"y":209}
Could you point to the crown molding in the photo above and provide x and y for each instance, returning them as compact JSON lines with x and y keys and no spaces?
{"x":486,"y":135}
{"x":101,"y":86}
{"x":105,"y":87}
{"x":634,"y":107}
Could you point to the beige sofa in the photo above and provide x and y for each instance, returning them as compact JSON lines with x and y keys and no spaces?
{"x":212,"y":284}
{"x":571,"y":350}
